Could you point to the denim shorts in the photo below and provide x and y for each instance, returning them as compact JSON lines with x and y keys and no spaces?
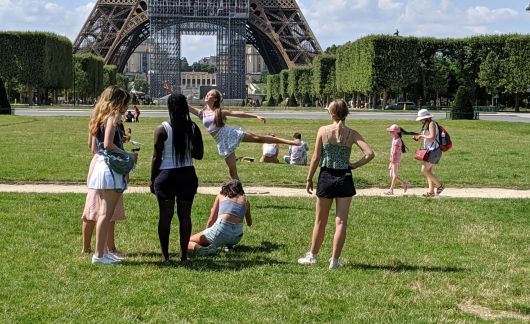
{"x":434,"y":156}
{"x":224,"y":233}
{"x":333,"y":183}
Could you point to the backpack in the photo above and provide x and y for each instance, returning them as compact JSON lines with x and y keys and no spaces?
{"x":444,"y":139}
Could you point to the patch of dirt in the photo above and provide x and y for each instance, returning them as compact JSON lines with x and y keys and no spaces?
{"x":490,"y":314}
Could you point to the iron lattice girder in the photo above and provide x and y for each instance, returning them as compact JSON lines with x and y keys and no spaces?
{"x":277,"y":28}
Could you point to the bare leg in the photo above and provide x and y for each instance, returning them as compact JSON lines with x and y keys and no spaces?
{"x":426,"y":169}
{"x":319,"y":229}
{"x":197,"y":240}
{"x":111,"y":244}
{"x":87,"y":230}
{"x":184,"y":215}
{"x":232,"y":166}
{"x":253,"y":138}
{"x":108,"y":200}
{"x":341,"y":223}
{"x":166,"y":208}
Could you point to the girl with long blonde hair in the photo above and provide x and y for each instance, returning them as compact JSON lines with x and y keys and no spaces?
{"x":112,"y":104}
{"x":332,"y":153}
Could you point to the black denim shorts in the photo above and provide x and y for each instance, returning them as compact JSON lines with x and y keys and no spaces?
{"x":181,"y":183}
{"x":334,"y":183}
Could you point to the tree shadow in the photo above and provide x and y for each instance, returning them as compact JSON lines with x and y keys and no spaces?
{"x":402,"y":267}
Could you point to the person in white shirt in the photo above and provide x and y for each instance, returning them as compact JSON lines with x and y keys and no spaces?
{"x":297,"y":154}
{"x":270,"y":152}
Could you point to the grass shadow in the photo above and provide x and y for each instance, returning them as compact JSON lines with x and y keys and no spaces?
{"x":264,"y":247}
{"x":402,"y":267}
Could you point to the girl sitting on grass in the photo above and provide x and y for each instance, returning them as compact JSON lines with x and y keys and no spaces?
{"x":225,"y":224}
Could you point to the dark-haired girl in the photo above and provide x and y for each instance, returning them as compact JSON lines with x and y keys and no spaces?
{"x":226,"y":137}
{"x":397,"y":147}
{"x":173,"y":176}
{"x":225,"y":224}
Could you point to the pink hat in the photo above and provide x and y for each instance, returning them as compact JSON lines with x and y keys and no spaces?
{"x":394,"y":128}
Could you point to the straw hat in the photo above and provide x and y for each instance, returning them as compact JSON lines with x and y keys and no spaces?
{"x":394,"y":128}
{"x":423,"y":114}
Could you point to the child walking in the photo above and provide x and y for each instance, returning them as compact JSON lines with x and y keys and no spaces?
{"x":226,"y":137}
{"x":397,"y":147}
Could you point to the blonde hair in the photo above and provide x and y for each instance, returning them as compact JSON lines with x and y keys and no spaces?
{"x":219,"y":120}
{"x":108,"y":105}
{"x":339,"y":110}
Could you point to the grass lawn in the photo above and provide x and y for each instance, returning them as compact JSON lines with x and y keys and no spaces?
{"x":407,"y":260}
{"x":36,"y":149}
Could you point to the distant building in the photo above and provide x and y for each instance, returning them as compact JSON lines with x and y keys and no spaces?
{"x":190,"y":82}
{"x":255,"y":65}
{"x":138,"y":64}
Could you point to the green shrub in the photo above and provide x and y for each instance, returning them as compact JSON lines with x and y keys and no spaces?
{"x":463,"y":106}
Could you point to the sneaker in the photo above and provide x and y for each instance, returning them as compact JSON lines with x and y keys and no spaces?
{"x":334,"y":264}
{"x":113,"y":256}
{"x":308,"y":259}
{"x":103,"y":260}
{"x":206,"y":250}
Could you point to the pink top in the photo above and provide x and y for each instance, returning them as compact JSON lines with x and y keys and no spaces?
{"x":395,"y":150}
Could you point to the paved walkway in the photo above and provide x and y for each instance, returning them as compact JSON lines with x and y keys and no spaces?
{"x":286,"y":192}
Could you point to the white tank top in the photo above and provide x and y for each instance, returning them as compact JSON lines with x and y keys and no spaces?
{"x":168,"y":160}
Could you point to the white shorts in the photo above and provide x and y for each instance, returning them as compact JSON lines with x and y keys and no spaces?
{"x":103,"y":178}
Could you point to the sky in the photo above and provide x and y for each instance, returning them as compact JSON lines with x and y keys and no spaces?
{"x":332,"y":21}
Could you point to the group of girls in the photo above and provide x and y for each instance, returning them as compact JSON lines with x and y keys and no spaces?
{"x":174,"y":180}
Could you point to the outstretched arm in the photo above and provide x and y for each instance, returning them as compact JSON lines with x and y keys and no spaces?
{"x":167,"y":88}
{"x":241,"y":114}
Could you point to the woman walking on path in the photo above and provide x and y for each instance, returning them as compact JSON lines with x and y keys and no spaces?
{"x":396,"y":148}
{"x":332,"y":153}
{"x":173,"y":177}
{"x":429,"y":135}
{"x":110,"y":185}
{"x":226,"y":137}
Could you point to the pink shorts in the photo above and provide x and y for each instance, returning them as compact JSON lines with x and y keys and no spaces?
{"x":394,"y":169}
{"x":90,"y":213}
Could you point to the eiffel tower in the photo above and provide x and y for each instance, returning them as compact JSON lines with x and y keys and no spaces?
{"x":276,"y":28}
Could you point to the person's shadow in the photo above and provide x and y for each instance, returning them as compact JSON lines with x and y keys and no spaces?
{"x":398,"y":266}
{"x":235,"y":259}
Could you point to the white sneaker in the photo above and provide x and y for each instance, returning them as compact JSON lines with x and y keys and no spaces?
{"x":334,"y":264}
{"x":113,"y":256}
{"x":103,"y":260}
{"x":308,"y":259}
{"x":206,"y":250}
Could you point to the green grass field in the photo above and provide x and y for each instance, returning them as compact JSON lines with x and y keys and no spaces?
{"x":485,"y":153}
{"x":407,"y":260}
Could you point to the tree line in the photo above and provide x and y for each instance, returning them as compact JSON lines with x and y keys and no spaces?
{"x":40,"y":66}
{"x":374,"y":70}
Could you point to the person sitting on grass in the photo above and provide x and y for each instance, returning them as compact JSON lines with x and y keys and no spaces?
{"x":225,"y":224}
{"x":297,"y":153}
{"x":270,"y":152}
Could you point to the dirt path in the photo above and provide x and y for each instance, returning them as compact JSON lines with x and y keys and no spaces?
{"x":286,"y":192}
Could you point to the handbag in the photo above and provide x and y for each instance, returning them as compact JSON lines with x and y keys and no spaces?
{"x":119,"y":161}
{"x":422,"y":154}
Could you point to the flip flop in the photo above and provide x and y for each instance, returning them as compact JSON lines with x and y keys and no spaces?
{"x":440,"y":189}
{"x":389,"y":192}
{"x":428,"y":194}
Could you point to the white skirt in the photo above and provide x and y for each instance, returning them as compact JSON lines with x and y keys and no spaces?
{"x":103,"y":178}
{"x":228,"y":139}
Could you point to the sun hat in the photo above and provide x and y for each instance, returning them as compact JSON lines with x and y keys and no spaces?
{"x":394,"y":128}
{"x":422,"y":114}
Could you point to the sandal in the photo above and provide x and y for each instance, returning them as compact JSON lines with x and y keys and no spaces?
{"x":389,"y":192}
{"x":440,"y":189}
{"x":428,"y":194}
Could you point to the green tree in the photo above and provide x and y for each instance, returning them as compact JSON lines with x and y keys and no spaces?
{"x":516,"y":67}
{"x":300,"y":85}
{"x":462,"y":106}
{"x":324,"y":77}
{"x":109,"y":75}
{"x":122,"y":81}
{"x":490,"y":76}
{"x":141,"y":85}
{"x":93,"y":67}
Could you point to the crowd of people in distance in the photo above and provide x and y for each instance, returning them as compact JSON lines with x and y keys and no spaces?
{"x":174,"y":181}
